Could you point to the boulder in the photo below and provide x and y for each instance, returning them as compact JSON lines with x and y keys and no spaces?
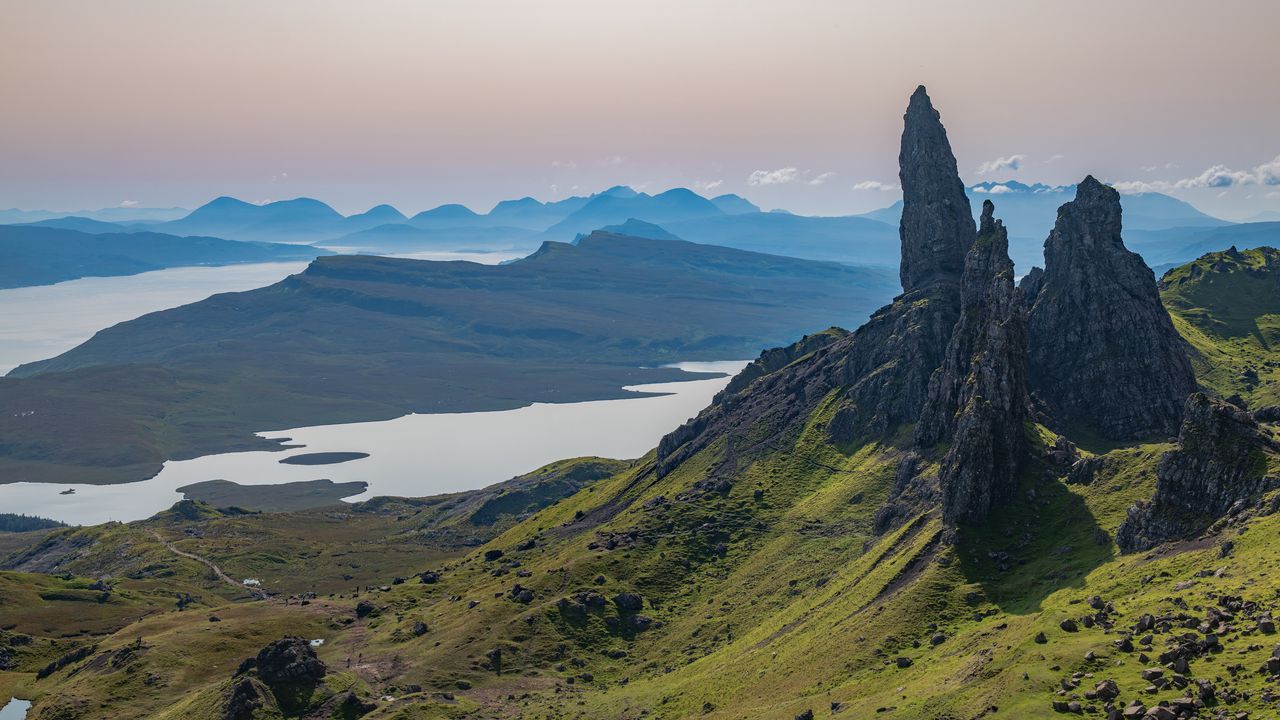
{"x":289,"y":662}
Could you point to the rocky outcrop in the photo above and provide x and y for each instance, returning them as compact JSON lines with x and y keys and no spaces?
{"x":243,"y":700}
{"x":1220,"y":461}
{"x":937,"y":222}
{"x":978,"y":398}
{"x":289,"y":662}
{"x":897,"y":351}
{"x":880,"y":372}
{"x":1104,"y":354}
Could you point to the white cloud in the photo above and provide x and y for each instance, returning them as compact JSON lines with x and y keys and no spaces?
{"x":821,"y":178}
{"x":875,"y":185}
{"x":1139,"y":186}
{"x":1054,"y":158}
{"x":1013,"y":162}
{"x":781,"y":176}
{"x":1150,"y":168}
{"x":996,"y":189}
{"x":707,"y":185}
{"x":281,"y":176}
{"x":128,"y":203}
{"x":564,"y":164}
{"x":1218,"y":176}
{"x":614,"y":160}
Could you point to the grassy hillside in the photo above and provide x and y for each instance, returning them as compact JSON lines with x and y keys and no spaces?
{"x":758,"y":604}
{"x":1227,"y":305}
{"x":748,"y":581}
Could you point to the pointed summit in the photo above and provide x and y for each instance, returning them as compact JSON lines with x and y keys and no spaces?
{"x":1104,"y":353}
{"x":937,"y":225}
{"x":978,"y":399}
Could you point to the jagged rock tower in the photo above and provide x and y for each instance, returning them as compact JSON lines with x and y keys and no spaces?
{"x":1104,"y":355}
{"x":901,"y":346}
{"x":978,"y":399}
{"x":937,"y":223}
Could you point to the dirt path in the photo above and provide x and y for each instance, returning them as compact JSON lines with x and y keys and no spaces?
{"x":256,"y":592}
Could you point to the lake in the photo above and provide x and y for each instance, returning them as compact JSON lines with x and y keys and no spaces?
{"x":414,"y":455}
{"x":37,"y":323}
{"x":14,"y":710}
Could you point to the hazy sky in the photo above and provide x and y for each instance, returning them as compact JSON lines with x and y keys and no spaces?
{"x":793,"y":104}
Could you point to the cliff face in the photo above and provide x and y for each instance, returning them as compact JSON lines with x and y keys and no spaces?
{"x":937,"y":225}
{"x":978,"y":399}
{"x":888,"y":377}
{"x":1220,"y":461}
{"x":1104,"y":354}
{"x":880,"y":371}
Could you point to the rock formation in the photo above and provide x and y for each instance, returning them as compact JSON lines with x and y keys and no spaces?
{"x":289,"y":662}
{"x":882,"y":370}
{"x":1220,"y":461}
{"x":1104,"y":354}
{"x":900,"y":347}
{"x":937,"y":223}
{"x":978,"y":399}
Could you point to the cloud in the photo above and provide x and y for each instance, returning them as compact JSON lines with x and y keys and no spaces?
{"x":781,"y":176}
{"x":1054,"y":158}
{"x":128,"y":203}
{"x":564,"y":164}
{"x":1217,"y":176}
{"x":614,"y":160}
{"x":996,"y":189}
{"x":281,"y":176}
{"x":875,"y":185}
{"x":821,"y":178}
{"x":1013,"y":162}
{"x":707,"y":185}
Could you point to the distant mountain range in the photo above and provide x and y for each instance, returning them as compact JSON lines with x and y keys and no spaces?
{"x":13,"y":216}
{"x":36,"y":255}
{"x":1164,"y":229}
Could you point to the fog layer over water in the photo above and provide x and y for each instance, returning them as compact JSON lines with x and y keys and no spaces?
{"x":415,"y":455}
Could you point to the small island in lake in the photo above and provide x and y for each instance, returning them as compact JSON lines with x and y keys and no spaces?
{"x":323,"y":458}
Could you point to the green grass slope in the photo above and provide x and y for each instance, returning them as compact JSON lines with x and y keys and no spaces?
{"x":749,"y":581}
{"x":1227,"y":305}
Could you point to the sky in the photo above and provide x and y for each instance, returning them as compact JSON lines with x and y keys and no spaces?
{"x":794,"y":104}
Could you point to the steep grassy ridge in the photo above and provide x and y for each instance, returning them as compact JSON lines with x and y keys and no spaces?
{"x":1227,"y":305}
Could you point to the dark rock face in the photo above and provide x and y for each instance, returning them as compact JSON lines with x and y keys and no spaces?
{"x":1220,"y":461}
{"x":978,"y":398}
{"x":243,"y":700}
{"x":893,"y":356}
{"x":937,"y":225}
{"x":289,"y":662}
{"x":1103,"y":352}
{"x":881,"y":370}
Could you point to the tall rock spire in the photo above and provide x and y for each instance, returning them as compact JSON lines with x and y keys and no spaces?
{"x":1104,"y":354}
{"x":937,"y":223}
{"x":978,"y":398}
